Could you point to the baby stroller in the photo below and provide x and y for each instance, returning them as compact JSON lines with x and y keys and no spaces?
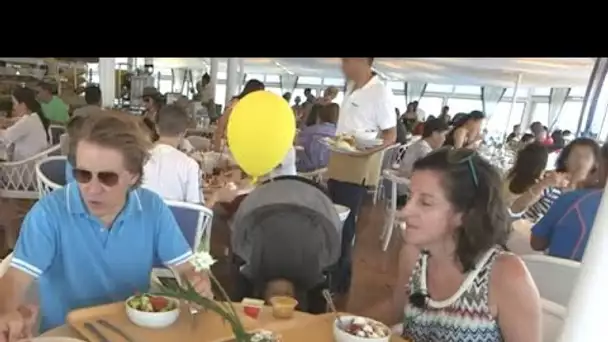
{"x":287,"y":229}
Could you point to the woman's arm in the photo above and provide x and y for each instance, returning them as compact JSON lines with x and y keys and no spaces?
{"x":513,"y":292}
{"x":543,"y":230}
{"x":222,"y":124}
{"x":391,"y":310}
{"x":537,"y":191}
{"x":16,"y":131}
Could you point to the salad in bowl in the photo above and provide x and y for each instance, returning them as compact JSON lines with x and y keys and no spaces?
{"x":360,"y":329}
{"x":150,"y":311}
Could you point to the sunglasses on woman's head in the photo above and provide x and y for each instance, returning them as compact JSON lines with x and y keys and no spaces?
{"x":107,"y":178}
{"x":461,"y":155}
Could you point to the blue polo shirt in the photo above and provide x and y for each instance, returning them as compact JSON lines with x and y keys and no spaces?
{"x":78,"y":262}
{"x":567,"y":225}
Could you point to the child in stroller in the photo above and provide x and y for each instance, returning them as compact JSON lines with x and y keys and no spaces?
{"x":285,"y":236}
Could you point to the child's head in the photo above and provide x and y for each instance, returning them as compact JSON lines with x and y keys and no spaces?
{"x":279,"y":287}
{"x":172,"y":121}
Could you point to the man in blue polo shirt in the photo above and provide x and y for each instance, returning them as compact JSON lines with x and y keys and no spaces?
{"x":95,"y":241}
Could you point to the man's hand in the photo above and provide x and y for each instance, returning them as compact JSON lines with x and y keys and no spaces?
{"x":17,"y":325}
{"x":200,"y":282}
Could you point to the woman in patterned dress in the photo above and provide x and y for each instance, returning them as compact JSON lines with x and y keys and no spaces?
{"x":455,"y":282}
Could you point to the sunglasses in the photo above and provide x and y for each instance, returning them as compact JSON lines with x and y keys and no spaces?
{"x":460,"y":156}
{"x":107,"y":178}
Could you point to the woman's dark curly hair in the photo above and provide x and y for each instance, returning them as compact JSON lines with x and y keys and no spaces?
{"x":530,"y":163}
{"x":560,"y":163}
{"x":474,"y":188}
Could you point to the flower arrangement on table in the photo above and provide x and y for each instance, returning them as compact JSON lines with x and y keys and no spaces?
{"x":202,"y":262}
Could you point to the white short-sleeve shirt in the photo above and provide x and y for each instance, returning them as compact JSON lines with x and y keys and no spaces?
{"x":367,"y":108}
{"x":173,"y":175}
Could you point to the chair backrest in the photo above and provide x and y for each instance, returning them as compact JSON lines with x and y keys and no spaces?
{"x":18,"y":178}
{"x":553,"y":319}
{"x":194,"y":221}
{"x":554,"y":277}
{"x":64,"y":142}
{"x":199,"y":143}
{"x":50,"y":174}
{"x":55,"y":131}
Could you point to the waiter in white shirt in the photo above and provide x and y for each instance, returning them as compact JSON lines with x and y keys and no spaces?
{"x":367,"y":105}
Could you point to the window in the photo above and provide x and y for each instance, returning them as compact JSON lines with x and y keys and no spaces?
{"x":463,"y":105}
{"x":330,"y":81}
{"x":569,"y":116}
{"x":521,"y":92}
{"x":164,"y":72}
{"x":540,"y":113}
{"x":399,"y":103}
{"x":220,"y":94}
{"x":221,"y":76}
{"x":397,"y":85}
{"x":545,"y":91}
{"x":502,"y":120}
{"x":439,"y":88}
{"x":274,"y":90}
{"x":273,"y":79}
{"x":309,"y":80}
{"x":300,"y":92}
{"x":164,"y":86}
{"x":431,"y":105}
{"x":469,"y":90}
{"x":578,"y":91}
{"x":339,"y":98}
{"x":258,"y":77}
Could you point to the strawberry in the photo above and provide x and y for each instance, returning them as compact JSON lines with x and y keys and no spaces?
{"x":158,"y":303}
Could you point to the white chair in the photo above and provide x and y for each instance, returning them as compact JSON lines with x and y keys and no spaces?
{"x":199,"y":143}
{"x":391,"y":206}
{"x":389,"y":157}
{"x":194,"y":221}
{"x":55,"y":132}
{"x":519,"y":239}
{"x":553,"y":319}
{"x":18,"y":178}
{"x":64,"y":142}
{"x":50,"y":174}
{"x":554,"y":277}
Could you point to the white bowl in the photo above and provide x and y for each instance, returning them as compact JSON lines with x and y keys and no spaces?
{"x":342,"y":336}
{"x":154,"y":320}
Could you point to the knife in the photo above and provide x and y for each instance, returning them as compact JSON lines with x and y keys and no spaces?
{"x":93,"y":329}
{"x":115,"y":329}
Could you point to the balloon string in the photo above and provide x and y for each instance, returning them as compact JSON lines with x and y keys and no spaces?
{"x":254,"y":180}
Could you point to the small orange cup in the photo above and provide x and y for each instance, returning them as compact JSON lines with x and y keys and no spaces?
{"x":283,"y":307}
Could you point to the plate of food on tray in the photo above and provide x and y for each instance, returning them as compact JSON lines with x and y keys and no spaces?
{"x":351,"y":143}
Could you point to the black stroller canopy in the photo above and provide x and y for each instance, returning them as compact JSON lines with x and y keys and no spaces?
{"x":287,"y":228}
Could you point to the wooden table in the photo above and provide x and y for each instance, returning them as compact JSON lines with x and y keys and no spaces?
{"x":265,"y":320}
{"x":302,"y":327}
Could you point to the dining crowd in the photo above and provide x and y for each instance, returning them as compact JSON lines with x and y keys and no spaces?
{"x":96,"y":240}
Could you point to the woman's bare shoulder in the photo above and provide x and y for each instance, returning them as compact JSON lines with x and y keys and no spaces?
{"x":510,"y":274}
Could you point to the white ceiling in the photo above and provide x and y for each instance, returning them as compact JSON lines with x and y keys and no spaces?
{"x":536,"y":72}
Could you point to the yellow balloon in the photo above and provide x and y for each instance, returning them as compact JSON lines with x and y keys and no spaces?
{"x":261,"y":129}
